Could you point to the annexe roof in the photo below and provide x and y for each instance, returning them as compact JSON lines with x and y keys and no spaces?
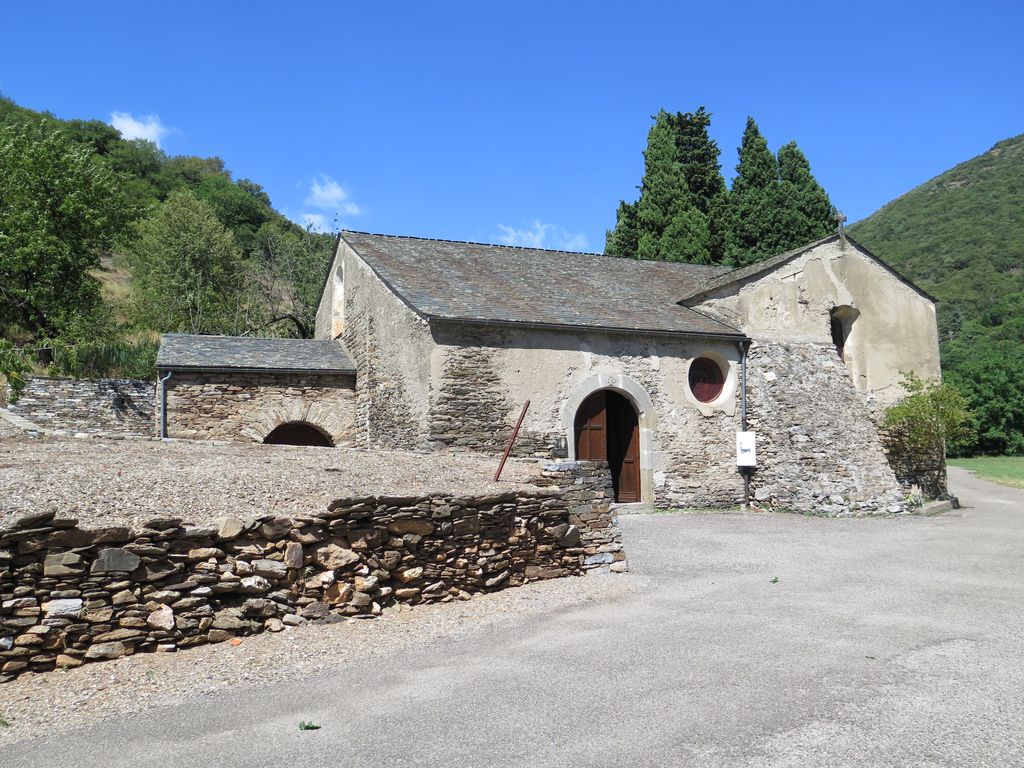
{"x":184,"y":352}
{"x":501,"y":284}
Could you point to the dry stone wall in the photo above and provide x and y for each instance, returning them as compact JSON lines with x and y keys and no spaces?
{"x":247,"y":406}
{"x":70,"y":596}
{"x":91,"y":406}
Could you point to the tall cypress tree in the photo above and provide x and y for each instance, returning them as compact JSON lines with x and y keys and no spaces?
{"x":686,"y":213}
{"x":664,"y":195}
{"x":755,"y":206}
{"x":681,"y":178}
{"x":697,"y":154}
{"x":809,"y":212}
{"x":622,"y":241}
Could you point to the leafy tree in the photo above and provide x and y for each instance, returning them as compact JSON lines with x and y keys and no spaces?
{"x":932,"y":418}
{"x":189,"y":171}
{"x":239,"y":209}
{"x":989,"y":374}
{"x":15,"y":363}
{"x":187,"y":269}
{"x":97,"y":134}
{"x":60,"y":207}
{"x":141,"y":162}
{"x":292,"y":267}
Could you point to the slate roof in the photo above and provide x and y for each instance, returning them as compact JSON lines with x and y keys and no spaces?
{"x":184,"y":352}
{"x":500,"y":284}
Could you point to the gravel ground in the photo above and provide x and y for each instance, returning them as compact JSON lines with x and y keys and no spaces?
{"x":41,"y":706}
{"x":8,"y":430}
{"x":119,"y":482}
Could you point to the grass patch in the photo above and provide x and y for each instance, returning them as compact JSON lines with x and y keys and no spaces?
{"x":1005,"y":470}
{"x":3,"y":721}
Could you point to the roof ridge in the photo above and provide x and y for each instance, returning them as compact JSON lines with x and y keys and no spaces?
{"x":476,"y":242}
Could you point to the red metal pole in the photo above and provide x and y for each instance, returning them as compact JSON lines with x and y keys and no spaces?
{"x":511,"y":441}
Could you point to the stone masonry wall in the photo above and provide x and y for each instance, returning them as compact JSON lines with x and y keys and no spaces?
{"x":70,"y":596}
{"x":470,"y":412}
{"x":818,"y":449}
{"x":391,"y":349}
{"x":247,"y":406}
{"x":93,"y":406}
{"x":485,"y":375}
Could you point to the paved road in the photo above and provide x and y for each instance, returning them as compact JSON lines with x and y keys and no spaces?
{"x":883,"y":642}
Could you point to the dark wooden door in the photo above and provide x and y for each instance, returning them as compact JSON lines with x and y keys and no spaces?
{"x":591,"y":429}
{"x":607,"y":429}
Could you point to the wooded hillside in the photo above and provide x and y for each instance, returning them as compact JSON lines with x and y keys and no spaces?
{"x":960,"y":236}
{"x":107,"y":242}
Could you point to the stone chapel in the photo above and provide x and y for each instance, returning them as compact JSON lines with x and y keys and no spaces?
{"x":654,"y":367}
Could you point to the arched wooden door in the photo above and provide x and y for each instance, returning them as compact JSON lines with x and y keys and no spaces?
{"x":607,"y":429}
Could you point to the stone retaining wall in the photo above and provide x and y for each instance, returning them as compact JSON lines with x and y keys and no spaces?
{"x":93,"y":406}
{"x":70,"y":596}
{"x":248,"y":406}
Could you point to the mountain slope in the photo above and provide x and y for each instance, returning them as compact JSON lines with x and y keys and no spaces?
{"x":960,"y":236}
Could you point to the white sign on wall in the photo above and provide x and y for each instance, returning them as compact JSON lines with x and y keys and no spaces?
{"x":746,"y":449}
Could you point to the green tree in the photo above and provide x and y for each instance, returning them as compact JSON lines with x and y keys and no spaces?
{"x":754,"y":201}
{"x":60,"y":207}
{"x":15,"y":363}
{"x":240,"y":209}
{"x":188,"y":270}
{"x":291,"y":274}
{"x":681,"y":182}
{"x":623,"y":240}
{"x":664,"y":194}
{"x":808,"y":212}
{"x":989,"y":374}
{"x":932,"y":418}
{"x":97,"y":134}
{"x":697,"y":154}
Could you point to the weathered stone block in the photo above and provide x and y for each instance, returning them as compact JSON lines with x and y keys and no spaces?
{"x":63,"y":564}
{"x":115,"y":559}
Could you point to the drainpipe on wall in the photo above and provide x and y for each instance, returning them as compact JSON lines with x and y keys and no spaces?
{"x":163,"y":405}
{"x":744,"y":346}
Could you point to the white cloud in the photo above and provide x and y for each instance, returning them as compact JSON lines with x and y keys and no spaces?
{"x":328,"y":194}
{"x":542,"y":235}
{"x":148,"y":127}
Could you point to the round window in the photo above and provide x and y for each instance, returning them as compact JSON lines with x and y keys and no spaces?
{"x":706,"y":379}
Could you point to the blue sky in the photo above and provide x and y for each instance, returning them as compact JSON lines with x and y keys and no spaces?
{"x":523,"y":122}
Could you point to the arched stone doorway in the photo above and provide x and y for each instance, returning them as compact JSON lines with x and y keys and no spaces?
{"x":607,"y":428}
{"x":641,"y":407}
{"x":298,"y":433}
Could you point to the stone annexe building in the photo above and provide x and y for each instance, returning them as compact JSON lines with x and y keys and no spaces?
{"x":436,"y":345}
